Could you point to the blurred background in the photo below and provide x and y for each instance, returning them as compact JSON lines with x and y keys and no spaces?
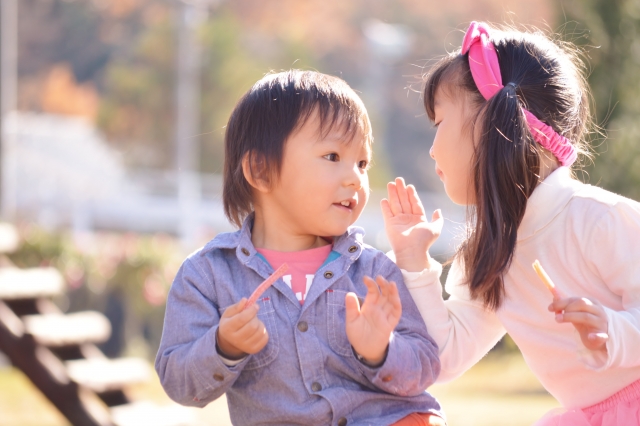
{"x":113,"y":115}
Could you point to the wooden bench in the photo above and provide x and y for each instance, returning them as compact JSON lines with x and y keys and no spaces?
{"x":57,"y":351}
{"x":57,"y":329}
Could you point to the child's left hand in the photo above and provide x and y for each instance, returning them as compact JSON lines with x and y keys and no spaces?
{"x":587,"y":316}
{"x":370,"y":326}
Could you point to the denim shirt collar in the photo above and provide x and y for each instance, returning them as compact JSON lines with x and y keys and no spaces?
{"x":241,"y":240}
{"x":346,"y":250}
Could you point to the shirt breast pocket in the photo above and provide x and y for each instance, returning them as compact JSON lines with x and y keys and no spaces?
{"x":336,"y":323}
{"x":266,"y":314}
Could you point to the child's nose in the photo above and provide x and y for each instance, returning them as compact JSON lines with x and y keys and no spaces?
{"x":354,"y":177}
{"x":431,"y":152}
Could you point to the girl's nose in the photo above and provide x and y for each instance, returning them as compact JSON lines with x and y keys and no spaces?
{"x":431,"y":152}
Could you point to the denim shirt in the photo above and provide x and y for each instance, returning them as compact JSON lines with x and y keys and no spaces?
{"x":307,"y":374}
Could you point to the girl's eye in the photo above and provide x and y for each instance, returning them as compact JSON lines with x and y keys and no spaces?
{"x":363,"y":164}
{"x":332,"y":157}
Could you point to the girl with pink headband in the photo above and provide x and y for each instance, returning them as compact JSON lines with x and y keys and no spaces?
{"x":511,"y":111}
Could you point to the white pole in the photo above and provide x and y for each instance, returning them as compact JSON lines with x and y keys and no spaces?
{"x":187,"y":121}
{"x":8,"y":105}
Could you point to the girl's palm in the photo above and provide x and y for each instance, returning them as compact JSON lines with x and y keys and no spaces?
{"x":408,"y":231}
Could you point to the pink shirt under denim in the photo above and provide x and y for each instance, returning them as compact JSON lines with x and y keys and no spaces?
{"x":302,"y":267}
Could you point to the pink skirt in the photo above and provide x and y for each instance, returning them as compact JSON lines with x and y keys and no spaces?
{"x":621,"y":409}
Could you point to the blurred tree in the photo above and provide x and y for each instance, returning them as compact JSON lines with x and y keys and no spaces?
{"x":136,"y":108}
{"x":612,"y":42}
{"x":126,"y":49}
{"x":62,"y":95}
{"x":232,"y":63}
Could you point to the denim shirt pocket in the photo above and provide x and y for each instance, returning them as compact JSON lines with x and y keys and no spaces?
{"x":266,"y":314}
{"x":336,"y":323}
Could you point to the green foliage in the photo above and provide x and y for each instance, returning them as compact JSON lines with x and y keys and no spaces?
{"x":138,"y":103}
{"x":612,"y":42}
{"x":136,"y":111}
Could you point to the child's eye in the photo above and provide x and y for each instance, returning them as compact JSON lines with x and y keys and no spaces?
{"x":332,"y":157}
{"x":363,"y":164}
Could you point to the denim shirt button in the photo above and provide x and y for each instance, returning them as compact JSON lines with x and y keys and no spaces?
{"x":316,"y":387}
{"x":303,"y":326}
{"x":218,"y":377}
{"x":342,"y":421}
{"x":353,"y":249}
{"x":328,"y":275}
{"x":387,"y":379}
{"x":244,"y":251}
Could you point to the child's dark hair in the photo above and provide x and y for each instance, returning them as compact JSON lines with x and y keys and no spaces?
{"x":545,"y":79}
{"x":274,"y":108}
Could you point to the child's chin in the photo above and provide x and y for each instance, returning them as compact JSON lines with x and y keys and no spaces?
{"x":334,"y":231}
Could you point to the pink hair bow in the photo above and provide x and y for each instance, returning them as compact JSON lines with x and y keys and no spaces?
{"x":485,"y":69}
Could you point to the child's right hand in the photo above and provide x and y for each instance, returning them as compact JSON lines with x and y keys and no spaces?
{"x":241,"y":332}
{"x":409,"y":232}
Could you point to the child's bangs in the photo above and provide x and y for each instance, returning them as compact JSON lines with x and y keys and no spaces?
{"x":345,"y":121}
{"x":339,"y":110}
{"x":446,"y":74}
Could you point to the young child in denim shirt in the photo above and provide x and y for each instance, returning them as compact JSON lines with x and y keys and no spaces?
{"x":326,"y":344}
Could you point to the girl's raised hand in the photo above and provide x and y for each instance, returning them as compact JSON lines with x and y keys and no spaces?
{"x":369,"y":327}
{"x":408,"y":230}
{"x":587,"y":316}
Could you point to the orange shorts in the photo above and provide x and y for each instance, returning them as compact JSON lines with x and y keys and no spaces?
{"x":421,"y":419}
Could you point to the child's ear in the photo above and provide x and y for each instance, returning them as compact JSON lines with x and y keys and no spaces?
{"x":256,"y":172}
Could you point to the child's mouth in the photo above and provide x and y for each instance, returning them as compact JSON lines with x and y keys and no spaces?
{"x":345,"y":204}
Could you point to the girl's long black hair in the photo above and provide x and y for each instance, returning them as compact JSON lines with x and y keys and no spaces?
{"x":547,"y":80}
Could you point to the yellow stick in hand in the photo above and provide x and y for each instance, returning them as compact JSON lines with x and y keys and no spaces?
{"x":545,"y":279}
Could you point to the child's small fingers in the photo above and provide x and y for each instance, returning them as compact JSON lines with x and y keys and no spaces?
{"x":414,"y":200}
{"x":594,"y":337}
{"x":250,"y":328}
{"x":403,"y":196}
{"x":580,"y":318}
{"x":373,"y":291}
{"x":257,"y":341}
{"x":383,"y":285}
{"x":437,"y":222}
{"x":387,"y":213}
{"x":352,"y":307}
{"x":394,"y":201}
{"x":394,"y":297}
{"x":252,"y":333}
{"x":579,"y":304}
{"x":560,"y":304}
{"x":234,"y":309}
{"x":244,"y":317}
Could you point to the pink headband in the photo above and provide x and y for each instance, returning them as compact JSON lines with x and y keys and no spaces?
{"x":485,"y":69}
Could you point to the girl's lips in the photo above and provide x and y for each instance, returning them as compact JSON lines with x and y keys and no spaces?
{"x":439,"y":173}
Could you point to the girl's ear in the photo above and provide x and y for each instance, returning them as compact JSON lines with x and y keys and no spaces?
{"x":256,"y":172}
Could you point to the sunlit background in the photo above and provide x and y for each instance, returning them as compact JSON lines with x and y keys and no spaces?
{"x":113,"y":115}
